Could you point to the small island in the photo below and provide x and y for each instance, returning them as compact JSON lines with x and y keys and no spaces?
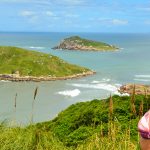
{"x":78,"y":43}
{"x":19,"y":64}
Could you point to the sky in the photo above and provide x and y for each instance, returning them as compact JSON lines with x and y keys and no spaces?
{"x":75,"y":16}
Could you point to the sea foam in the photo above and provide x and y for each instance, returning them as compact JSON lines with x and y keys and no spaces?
{"x":71,"y":93}
{"x":103,"y":80}
{"x":4,"y":81}
{"x":142,"y":76}
{"x":103,"y":86}
{"x":143,"y":80}
{"x":36,"y":47}
{"x":113,"y":89}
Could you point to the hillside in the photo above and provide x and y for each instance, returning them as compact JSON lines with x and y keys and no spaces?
{"x":78,"y":43}
{"x":23,"y":64}
{"x":109,"y":124}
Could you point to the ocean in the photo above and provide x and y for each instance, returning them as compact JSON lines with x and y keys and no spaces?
{"x":131,"y":64}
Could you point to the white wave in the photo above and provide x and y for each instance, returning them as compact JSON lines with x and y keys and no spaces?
{"x":123,"y":94}
{"x":142,"y":76}
{"x":103,"y":86}
{"x":144,"y":80}
{"x":118,"y":85}
{"x":71,"y":93}
{"x":103,"y":80}
{"x":95,"y":82}
{"x":34,"y":47}
{"x":4,"y":81}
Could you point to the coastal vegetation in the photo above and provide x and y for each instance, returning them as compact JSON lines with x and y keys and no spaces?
{"x":98,"y":124}
{"x":78,"y":43}
{"x":20,"y":62}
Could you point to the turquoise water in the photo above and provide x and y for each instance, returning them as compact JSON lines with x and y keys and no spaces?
{"x":128,"y":65}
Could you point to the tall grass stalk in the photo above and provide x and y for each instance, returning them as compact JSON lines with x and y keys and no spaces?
{"x":15,"y":107}
{"x":132,"y":103}
{"x":141,"y":109}
{"x":110,"y":117}
{"x":33,"y":102}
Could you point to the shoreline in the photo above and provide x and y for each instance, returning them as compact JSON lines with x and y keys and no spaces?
{"x":5,"y":77}
{"x":89,"y":50}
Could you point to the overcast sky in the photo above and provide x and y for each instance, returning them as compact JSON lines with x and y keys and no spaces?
{"x":75,"y":15}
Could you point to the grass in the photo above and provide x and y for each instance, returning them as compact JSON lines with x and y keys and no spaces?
{"x":109,"y":124}
{"x":29,"y":138}
{"x":31,"y":63}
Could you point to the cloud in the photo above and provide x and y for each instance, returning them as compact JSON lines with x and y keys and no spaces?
{"x":31,"y":16}
{"x":27,"y":13}
{"x":70,"y":15}
{"x":115,"y":22}
{"x":147,"y":22}
{"x":73,"y":2}
{"x":52,"y":2}
{"x":39,"y":2}
{"x":119,"y":22}
{"x":50,"y":13}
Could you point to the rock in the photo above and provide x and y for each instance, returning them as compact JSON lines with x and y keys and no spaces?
{"x":139,"y":89}
{"x":19,"y":78}
{"x":16,"y":74}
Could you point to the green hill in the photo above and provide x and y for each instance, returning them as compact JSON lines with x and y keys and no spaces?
{"x":78,"y":43}
{"x":109,"y":124}
{"x":31,"y":63}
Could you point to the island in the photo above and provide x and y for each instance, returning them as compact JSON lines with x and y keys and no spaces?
{"x":18,"y":64}
{"x":78,"y":43}
{"x":139,"y":89}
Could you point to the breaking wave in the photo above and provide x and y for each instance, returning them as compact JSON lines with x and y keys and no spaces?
{"x":103,"y":80}
{"x":103,"y":86}
{"x":36,"y":47}
{"x":4,"y":81}
{"x":142,"y":76}
{"x":143,"y":80}
{"x":71,"y":93}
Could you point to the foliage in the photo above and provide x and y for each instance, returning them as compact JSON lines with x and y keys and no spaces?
{"x":85,"y":125}
{"x":91,"y":114}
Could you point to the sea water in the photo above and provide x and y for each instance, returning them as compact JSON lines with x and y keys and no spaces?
{"x":131,"y":64}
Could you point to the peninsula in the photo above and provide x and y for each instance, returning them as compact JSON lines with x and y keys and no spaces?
{"x":78,"y":43}
{"x":19,"y":64}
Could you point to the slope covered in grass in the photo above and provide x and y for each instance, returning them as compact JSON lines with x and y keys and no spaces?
{"x":109,"y":124}
{"x":31,"y":63}
{"x":82,"y":120}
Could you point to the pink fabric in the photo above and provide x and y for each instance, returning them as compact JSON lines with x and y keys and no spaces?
{"x":144,"y":125}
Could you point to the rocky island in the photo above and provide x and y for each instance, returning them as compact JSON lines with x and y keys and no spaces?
{"x":19,"y":64}
{"x":78,"y":43}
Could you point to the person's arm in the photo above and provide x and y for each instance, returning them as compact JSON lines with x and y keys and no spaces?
{"x":144,"y":143}
{"x":144,"y":130}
